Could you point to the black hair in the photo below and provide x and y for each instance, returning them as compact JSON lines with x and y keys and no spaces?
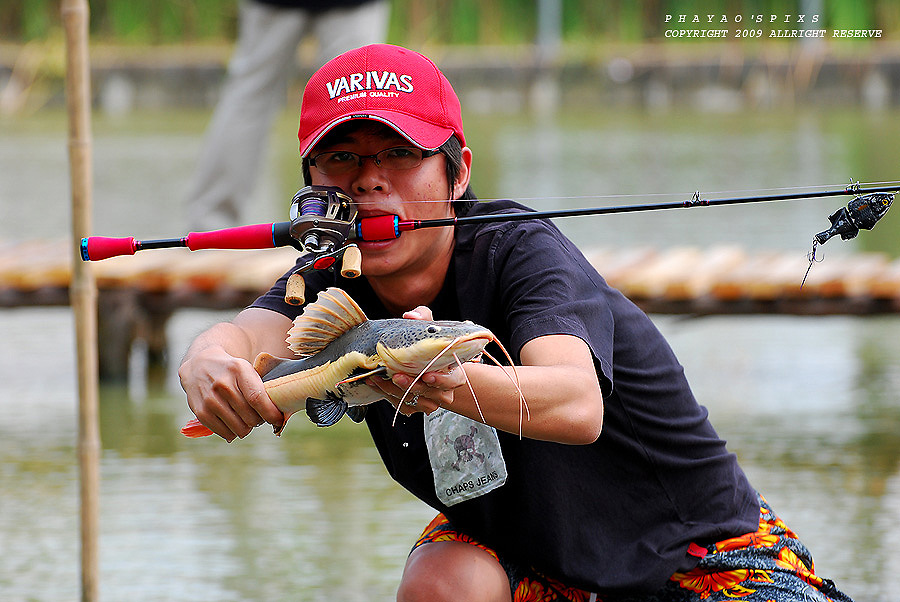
{"x":452,"y":151}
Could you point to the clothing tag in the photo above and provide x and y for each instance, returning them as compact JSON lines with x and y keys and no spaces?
{"x":465,"y":456}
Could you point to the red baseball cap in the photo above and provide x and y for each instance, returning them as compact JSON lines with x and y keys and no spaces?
{"x":386,"y":83}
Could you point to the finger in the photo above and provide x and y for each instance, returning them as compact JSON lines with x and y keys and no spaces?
{"x":426,"y":400}
{"x":417,"y":403}
{"x":406,"y":389}
{"x":409,"y":388}
{"x":402,"y":381}
{"x":391,"y":393}
{"x":427,"y":405}
{"x":394,"y":394}
{"x":444,"y":380}
{"x":228,"y":402}
{"x":260,"y":407}
{"x":223,"y":408}
{"x":407,"y":407}
{"x":208,"y":404}
{"x":419,"y":313}
{"x":209,"y":417}
{"x":383,"y":385}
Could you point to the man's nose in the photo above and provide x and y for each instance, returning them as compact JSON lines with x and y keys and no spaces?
{"x":370,"y":176}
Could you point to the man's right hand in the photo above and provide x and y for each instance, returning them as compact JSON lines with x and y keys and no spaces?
{"x":223,"y":390}
{"x":226,"y":394}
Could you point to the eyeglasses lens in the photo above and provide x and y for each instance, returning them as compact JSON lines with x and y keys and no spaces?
{"x":338,"y":162}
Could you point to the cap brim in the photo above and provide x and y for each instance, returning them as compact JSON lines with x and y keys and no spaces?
{"x":421,"y":133}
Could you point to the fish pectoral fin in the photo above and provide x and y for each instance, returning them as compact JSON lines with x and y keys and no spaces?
{"x":363,"y":375}
{"x":357,"y":413}
{"x":326,"y":412}
{"x":265,"y":362}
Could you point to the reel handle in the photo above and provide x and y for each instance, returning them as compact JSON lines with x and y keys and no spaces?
{"x":295,"y":291}
{"x":351,"y":266}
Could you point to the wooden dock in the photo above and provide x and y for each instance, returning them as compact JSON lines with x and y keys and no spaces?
{"x":138,"y":294}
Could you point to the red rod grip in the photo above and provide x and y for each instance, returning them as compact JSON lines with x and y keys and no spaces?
{"x":381,"y":227}
{"x":257,"y":236}
{"x":95,"y":248}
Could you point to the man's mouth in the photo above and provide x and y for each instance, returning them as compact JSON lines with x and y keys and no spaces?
{"x":376,"y":230}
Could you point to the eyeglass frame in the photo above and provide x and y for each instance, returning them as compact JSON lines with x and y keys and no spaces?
{"x":359,"y":158}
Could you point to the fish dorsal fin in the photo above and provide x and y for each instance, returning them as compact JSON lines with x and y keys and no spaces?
{"x":332,"y":314}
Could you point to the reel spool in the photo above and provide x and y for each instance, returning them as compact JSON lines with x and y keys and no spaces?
{"x":322,"y":218}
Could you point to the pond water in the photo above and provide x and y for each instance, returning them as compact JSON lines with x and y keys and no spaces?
{"x":810,"y":405}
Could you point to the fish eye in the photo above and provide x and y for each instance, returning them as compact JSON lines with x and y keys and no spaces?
{"x":433,"y":329}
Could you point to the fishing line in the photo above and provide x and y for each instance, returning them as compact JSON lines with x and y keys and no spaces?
{"x":811,"y":256}
{"x":811,"y":189}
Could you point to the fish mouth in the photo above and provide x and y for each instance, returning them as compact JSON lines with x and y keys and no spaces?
{"x":480,"y":338}
{"x":460,"y":349}
{"x":467,"y":348}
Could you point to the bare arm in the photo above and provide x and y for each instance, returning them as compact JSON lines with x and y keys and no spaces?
{"x":557,"y":378}
{"x":223,"y":390}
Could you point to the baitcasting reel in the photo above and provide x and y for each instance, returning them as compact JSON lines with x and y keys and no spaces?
{"x":322,"y":219}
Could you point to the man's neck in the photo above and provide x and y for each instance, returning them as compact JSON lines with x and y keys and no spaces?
{"x":403,"y":292}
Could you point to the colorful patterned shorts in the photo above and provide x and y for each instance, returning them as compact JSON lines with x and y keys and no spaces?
{"x":770,"y":565}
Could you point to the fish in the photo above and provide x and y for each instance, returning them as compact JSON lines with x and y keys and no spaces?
{"x":339,"y":348}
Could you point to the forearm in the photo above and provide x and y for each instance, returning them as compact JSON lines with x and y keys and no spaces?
{"x":553,"y":396}
{"x":245,"y":337}
{"x":558,"y":403}
{"x":226,"y":336}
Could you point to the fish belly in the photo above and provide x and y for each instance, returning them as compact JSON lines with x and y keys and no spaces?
{"x":290,"y":392}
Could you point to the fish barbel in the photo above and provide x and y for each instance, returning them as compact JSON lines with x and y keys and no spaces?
{"x":340,"y":348}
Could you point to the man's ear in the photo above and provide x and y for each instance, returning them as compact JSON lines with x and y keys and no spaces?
{"x":465,"y":170}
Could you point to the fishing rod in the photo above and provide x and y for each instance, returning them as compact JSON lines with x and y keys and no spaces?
{"x":323,"y":218}
{"x":863,"y":212}
{"x":324,"y":224}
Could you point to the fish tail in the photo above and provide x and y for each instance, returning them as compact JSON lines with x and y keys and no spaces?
{"x":195,"y":429}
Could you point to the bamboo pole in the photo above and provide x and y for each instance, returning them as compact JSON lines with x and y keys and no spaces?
{"x":83,"y":291}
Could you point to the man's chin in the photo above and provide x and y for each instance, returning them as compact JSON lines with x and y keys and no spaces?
{"x":376,"y":256}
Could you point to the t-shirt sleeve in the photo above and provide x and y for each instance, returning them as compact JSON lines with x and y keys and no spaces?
{"x":548,"y":287}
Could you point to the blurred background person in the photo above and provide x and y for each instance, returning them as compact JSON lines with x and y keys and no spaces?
{"x":269,"y":32}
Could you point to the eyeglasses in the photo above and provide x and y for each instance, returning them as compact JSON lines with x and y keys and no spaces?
{"x":333,"y":163}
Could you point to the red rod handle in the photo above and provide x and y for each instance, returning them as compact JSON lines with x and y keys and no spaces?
{"x":95,"y":248}
{"x":383,"y":227}
{"x":257,"y":236}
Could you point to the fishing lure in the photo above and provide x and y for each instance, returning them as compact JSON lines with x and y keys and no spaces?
{"x":861,"y":213}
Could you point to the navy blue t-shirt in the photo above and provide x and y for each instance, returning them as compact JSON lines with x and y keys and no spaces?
{"x":615,"y":516}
